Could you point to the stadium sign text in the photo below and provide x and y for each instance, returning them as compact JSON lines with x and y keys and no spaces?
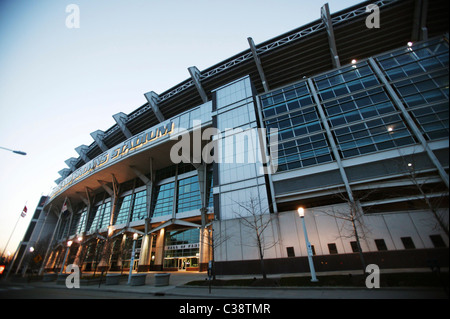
{"x":114,"y":154}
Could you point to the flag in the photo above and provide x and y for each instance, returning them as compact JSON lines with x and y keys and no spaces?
{"x":24,"y":212}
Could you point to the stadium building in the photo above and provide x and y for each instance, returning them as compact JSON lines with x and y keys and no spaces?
{"x":344,"y":117}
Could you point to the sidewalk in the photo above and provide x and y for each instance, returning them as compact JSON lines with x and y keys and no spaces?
{"x":179,"y":279}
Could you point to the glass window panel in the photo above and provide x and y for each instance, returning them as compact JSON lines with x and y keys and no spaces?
{"x":188,"y":195}
{"x":163,"y":203}
{"x":293,"y":105}
{"x":414,"y":100}
{"x":123,"y":205}
{"x":139,"y":211}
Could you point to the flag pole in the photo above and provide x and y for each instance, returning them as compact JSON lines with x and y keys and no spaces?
{"x":7,"y":243}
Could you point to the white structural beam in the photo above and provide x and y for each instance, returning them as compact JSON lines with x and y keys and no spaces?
{"x":121,"y":120}
{"x":326,"y":19}
{"x":258,"y":64}
{"x":81,"y":150}
{"x":195,"y":76}
{"x":98,"y":138}
{"x":153,"y":100}
{"x":71,"y":162}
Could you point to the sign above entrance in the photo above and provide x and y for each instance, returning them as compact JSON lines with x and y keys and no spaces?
{"x":183,"y":246}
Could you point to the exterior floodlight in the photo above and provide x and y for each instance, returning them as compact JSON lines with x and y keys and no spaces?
{"x":69,"y":243}
{"x":301,"y":212}
{"x":410,"y":44}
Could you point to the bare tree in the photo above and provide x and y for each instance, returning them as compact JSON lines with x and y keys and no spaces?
{"x":431,"y":196}
{"x":256,"y":220}
{"x":216,"y":239}
{"x":354,"y":225}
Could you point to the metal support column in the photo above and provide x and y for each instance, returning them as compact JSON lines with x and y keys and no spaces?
{"x":326,"y":19}
{"x":195,"y":75}
{"x":81,"y":150}
{"x":419,"y":28}
{"x":153,"y":100}
{"x":334,"y":148}
{"x":258,"y":64}
{"x":98,"y":138}
{"x":121,"y":120}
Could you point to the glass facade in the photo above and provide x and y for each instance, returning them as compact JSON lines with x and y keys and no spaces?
{"x":419,"y":75}
{"x":302,"y":139}
{"x":133,"y":205}
{"x":362,"y":116}
{"x":188,"y":194}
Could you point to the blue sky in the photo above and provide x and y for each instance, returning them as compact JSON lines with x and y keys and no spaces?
{"x":57,"y":85}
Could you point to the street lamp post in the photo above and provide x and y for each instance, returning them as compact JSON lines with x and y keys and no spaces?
{"x":135,"y":236}
{"x":301,"y":213}
{"x":69,"y":243}
{"x":17,"y":152}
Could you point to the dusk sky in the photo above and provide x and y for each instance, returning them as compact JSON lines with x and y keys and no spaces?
{"x":59,"y":84}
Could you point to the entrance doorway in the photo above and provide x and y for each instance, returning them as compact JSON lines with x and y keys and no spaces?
{"x":187,"y":263}
{"x":182,"y":263}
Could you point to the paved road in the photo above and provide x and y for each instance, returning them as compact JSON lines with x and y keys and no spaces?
{"x":176,"y":289}
{"x":53,"y":291}
{"x":18,"y":291}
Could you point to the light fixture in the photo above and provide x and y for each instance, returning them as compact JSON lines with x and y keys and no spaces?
{"x":409,"y":164}
{"x":69,"y":243}
{"x":31,"y":249}
{"x":135,"y":236}
{"x":410,"y":44}
{"x":390,"y":129}
{"x":301,"y":212}
{"x":80,"y":239}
